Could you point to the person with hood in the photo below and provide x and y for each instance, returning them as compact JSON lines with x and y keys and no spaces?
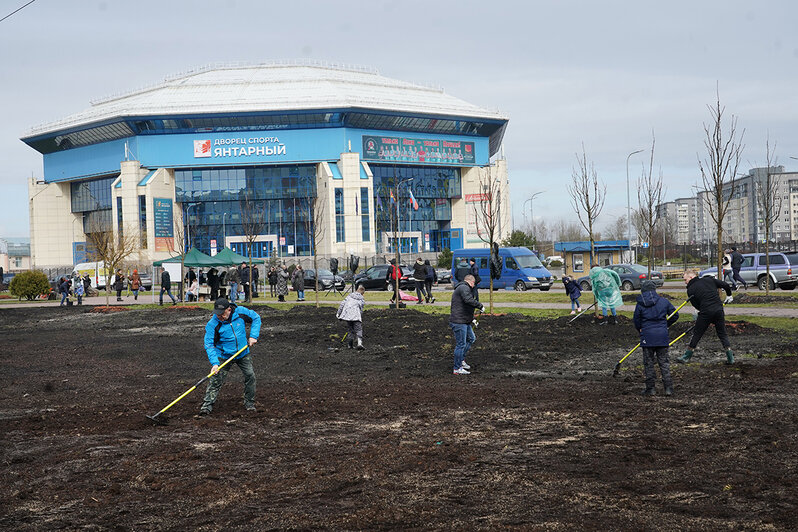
{"x":574,"y":293}
{"x":651,"y":321}
{"x":135,"y":284}
{"x":282,"y":283}
{"x":233,"y":278}
{"x":86,"y":283}
{"x":703,"y":294}
{"x":166,"y":286}
{"x":298,"y":282}
{"x":225,"y":334}
{"x":119,"y":284}
{"x":420,"y":276}
{"x":255,"y":273}
{"x":430,"y":278}
{"x":350,"y":310}
{"x":79,"y":290}
{"x":607,"y":290}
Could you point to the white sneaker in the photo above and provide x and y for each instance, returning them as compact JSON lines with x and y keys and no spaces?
{"x":573,"y":312}
{"x":464,"y":365}
{"x":461,"y":371}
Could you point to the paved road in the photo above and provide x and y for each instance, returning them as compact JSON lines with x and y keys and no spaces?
{"x":731,"y":310}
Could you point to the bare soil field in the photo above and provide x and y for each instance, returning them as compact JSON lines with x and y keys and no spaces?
{"x":539,"y":437}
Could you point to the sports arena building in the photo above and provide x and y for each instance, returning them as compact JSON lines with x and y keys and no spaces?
{"x":189,"y":158}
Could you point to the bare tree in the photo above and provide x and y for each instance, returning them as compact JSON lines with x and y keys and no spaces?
{"x":769,"y":202}
{"x":110,"y":249}
{"x":568,"y":231}
{"x":316,"y":229}
{"x":487,"y":214}
{"x":587,"y":198}
{"x":719,"y":169}
{"x":253,"y":220}
{"x":649,"y":197}
{"x":178,"y":245}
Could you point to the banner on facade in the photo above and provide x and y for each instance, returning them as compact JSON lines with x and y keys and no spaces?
{"x":164,"y":224}
{"x":473,"y":222}
{"x":415,"y":150}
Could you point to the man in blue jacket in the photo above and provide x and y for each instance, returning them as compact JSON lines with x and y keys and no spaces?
{"x":652,"y":322}
{"x":225,"y":334}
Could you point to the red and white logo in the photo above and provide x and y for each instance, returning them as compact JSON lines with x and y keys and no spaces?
{"x":202,"y":148}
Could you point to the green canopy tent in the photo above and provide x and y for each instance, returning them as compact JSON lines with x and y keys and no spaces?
{"x":194,"y":258}
{"x":228,"y":257}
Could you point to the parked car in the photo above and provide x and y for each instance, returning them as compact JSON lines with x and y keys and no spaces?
{"x":783,"y":270}
{"x":521,"y":268}
{"x":631,"y":276}
{"x":444,"y":276}
{"x":326,"y":280}
{"x":374,"y":278}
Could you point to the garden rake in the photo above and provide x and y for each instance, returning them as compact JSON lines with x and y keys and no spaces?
{"x":163,"y":420}
{"x":617,"y":369}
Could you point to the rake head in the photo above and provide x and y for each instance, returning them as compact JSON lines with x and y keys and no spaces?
{"x":617,"y":370}
{"x":158,"y":420}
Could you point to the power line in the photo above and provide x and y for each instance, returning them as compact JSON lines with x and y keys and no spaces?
{"x":20,"y":9}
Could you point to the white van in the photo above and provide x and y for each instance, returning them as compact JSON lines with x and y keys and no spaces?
{"x":96,"y":270}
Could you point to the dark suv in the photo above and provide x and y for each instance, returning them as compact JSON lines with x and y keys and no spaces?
{"x":374,"y":277}
{"x":326,"y":280}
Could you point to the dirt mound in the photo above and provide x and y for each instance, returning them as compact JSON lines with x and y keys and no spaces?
{"x":109,"y":309}
{"x":539,"y":436}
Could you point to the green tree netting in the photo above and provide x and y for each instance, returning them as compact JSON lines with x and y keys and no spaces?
{"x":606,"y":287}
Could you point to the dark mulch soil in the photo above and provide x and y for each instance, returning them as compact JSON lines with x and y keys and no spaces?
{"x":540,"y":436}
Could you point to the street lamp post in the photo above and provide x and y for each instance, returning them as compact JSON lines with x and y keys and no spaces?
{"x":531,"y":211}
{"x":629,"y":206}
{"x":224,"y":230}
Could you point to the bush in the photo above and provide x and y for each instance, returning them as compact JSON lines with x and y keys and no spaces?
{"x":445,"y":259}
{"x":29,"y":285}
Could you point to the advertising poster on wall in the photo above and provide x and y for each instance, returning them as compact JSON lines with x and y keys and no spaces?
{"x":472,"y":231}
{"x":414,"y":150}
{"x":164,"y":224}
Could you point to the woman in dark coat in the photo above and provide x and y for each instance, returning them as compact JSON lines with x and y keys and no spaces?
{"x":282,"y":283}
{"x":119,"y":284}
{"x":298,"y":282}
{"x":272,"y":281}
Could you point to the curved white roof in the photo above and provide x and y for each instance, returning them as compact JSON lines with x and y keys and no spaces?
{"x":272,"y":87}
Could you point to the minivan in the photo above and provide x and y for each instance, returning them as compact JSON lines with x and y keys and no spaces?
{"x":521,"y":269}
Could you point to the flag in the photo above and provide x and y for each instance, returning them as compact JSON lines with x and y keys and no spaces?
{"x":413,"y":201}
{"x":379,"y":202}
{"x":393,"y":199}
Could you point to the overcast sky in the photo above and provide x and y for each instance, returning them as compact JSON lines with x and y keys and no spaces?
{"x":605,"y":74}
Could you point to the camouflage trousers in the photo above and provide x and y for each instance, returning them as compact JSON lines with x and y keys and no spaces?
{"x":653,"y":356}
{"x":214,"y":385}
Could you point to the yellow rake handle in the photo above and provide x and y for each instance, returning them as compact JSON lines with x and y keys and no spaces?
{"x":669,"y":317}
{"x":205,"y":378}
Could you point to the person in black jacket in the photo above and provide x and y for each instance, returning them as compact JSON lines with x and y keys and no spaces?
{"x":703,"y":294}
{"x":419,"y":277}
{"x":652,"y":322}
{"x":430,"y":278}
{"x":213,"y":282}
{"x":461,"y":315}
{"x":166,"y":286}
{"x":737,"y":260}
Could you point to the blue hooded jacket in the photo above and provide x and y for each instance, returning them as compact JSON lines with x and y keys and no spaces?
{"x":232,"y":334}
{"x":572,"y":288}
{"x":651,"y":316}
